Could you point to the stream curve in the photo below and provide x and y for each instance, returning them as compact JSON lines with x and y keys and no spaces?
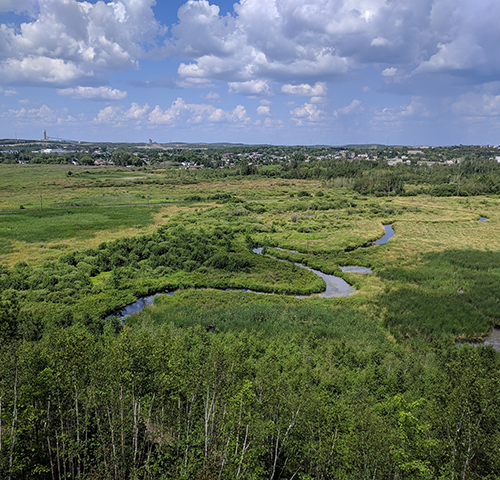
{"x":335,"y":286}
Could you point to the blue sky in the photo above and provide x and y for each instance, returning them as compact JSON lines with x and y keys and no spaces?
{"x":415,"y":72}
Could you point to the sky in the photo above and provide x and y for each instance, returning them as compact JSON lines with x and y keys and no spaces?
{"x":282,"y":72}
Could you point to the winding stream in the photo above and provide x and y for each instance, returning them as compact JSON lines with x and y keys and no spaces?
{"x":335,"y":286}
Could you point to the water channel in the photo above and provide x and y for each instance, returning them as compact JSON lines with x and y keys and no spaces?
{"x":335,"y":286}
{"x":389,"y":233}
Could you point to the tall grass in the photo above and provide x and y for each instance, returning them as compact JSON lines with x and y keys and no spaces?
{"x":454,"y":292}
{"x":220,"y":312}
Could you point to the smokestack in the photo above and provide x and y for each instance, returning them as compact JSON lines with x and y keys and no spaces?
{"x":45,"y":135}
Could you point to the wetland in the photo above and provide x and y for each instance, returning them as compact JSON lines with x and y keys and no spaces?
{"x":336,"y":309}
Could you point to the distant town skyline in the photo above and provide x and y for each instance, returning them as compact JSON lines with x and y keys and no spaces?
{"x":282,"y":72}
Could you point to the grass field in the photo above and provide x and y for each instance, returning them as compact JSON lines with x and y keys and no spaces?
{"x":413,"y":274}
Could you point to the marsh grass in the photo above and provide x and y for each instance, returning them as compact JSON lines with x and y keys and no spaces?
{"x":222,"y":312}
{"x":454,"y":292}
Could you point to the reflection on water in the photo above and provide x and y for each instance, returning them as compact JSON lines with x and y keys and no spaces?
{"x":483,"y":219}
{"x":493,"y":339}
{"x":356,"y":269}
{"x":138,"y":306}
{"x":283,"y":250}
{"x":389,"y":233}
{"x":335,"y":286}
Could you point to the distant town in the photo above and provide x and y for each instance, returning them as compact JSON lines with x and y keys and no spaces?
{"x":225,"y":155}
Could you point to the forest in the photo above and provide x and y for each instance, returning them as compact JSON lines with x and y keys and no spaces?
{"x":241,"y":367}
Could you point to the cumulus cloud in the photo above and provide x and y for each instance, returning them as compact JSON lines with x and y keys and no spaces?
{"x":212,"y":97}
{"x":70,"y":41}
{"x":93,"y":93}
{"x":414,"y":111}
{"x":305,"y":90}
{"x":10,"y":92}
{"x":477,"y":105}
{"x":250,"y":88}
{"x":118,"y":116}
{"x":43,"y":115}
{"x":179,"y":114}
{"x":325,"y":40}
{"x":264,"y":111}
{"x":389,"y":72}
{"x":273,"y":123}
{"x":460,"y":54}
{"x":354,"y":108}
{"x":307,"y":113}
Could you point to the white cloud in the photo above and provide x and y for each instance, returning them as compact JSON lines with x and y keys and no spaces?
{"x":462,"y":53}
{"x":273,"y":123}
{"x":477,"y":105}
{"x":264,"y":111}
{"x":312,"y":41}
{"x":389,"y":72}
{"x":318,"y":100}
{"x":70,"y":41}
{"x":119,"y":117}
{"x":354,"y":108}
{"x":108,"y":115}
{"x":414,"y":111}
{"x":307,"y":113}
{"x":380,"y":42}
{"x":9,"y":92}
{"x":179,"y":114}
{"x":305,"y":90}
{"x":136,"y":112}
{"x":43,"y":115}
{"x":212,"y":97}
{"x":93,"y":93}
{"x":41,"y":70}
{"x":250,"y":88}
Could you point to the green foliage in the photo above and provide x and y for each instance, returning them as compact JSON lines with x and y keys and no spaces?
{"x":453,"y":293}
